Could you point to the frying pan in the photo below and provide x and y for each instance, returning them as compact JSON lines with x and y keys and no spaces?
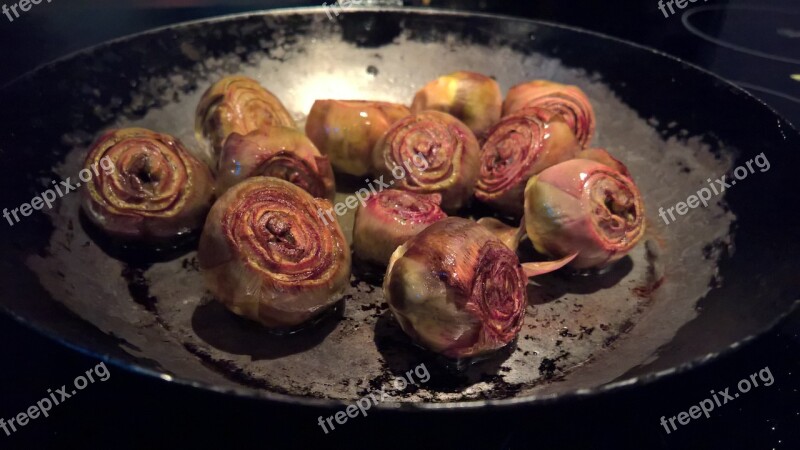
{"x":696,"y":288}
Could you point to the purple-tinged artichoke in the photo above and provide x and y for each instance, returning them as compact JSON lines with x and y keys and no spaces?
{"x":430,"y":153}
{"x":458,"y":290}
{"x":390,"y":218}
{"x":569,"y":101}
{"x":519,"y":146}
{"x":603,"y":157}
{"x":156,"y":191}
{"x":267,"y":255}
{"x":584,"y":207}
{"x":279,"y":152}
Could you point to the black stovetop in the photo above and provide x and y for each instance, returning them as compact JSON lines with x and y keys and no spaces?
{"x":754,"y":46}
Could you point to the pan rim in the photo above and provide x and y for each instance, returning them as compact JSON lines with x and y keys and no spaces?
{"x":508,"y":403}
{"x":530,"y":400}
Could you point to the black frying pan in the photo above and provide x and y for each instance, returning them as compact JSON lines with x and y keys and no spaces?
{"x":696,"y":288}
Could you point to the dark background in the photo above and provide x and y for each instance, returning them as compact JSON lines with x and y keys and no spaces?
{"x":757,"y":47}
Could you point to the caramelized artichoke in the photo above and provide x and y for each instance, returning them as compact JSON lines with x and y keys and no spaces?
{"x":569,"y":101}
{"x":512,"y":236}
{"x":457,"y":290}
{"x":518,"y":147}
{"x":279,"y":152}
{"x":584,"y":207}
{"x":268,"y":256}
{"x":603,"y":157}
{"x":156,"y":192}
{"x":346,"y":131}
{"x":389,"y":219}
{"x":473,"y":98}
{"x":448,"y":149}
{"x":236,"y":104}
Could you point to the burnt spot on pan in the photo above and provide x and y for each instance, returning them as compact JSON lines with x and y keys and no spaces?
{"x":137,"y":286}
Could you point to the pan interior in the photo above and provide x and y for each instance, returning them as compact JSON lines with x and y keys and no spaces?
{"x":581,"y":331}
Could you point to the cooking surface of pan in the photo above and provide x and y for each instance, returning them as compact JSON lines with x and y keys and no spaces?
{"x":695,"y":287}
